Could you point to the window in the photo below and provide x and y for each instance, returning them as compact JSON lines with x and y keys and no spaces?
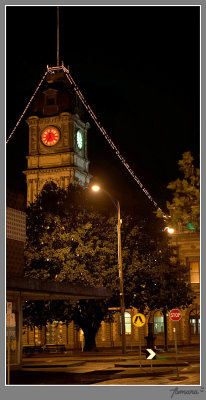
{"x":195,"y":322}
{"x":158,"y":322}
{"x":194,"y":272}
{"x":127,"y":319}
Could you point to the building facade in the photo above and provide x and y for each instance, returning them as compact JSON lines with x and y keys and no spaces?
{"x":188,"y":245}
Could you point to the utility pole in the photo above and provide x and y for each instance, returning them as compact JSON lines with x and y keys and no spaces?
{"x":121,"y":280}
{"x":96,"y":188}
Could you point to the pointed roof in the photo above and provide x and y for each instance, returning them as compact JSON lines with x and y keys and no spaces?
{"x":56,"y":95}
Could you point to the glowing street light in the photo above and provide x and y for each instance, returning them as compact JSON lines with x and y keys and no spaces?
{"x":96,"y":188}
{"x":169,"y":230}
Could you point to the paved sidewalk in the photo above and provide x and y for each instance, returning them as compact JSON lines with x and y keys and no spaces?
{"x":103,"y":366}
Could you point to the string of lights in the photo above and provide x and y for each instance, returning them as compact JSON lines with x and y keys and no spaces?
{"x":111,"y":143}
{"x":26,"y":108}
{"x":51,"y":70}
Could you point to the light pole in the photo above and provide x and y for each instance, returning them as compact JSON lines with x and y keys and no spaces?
{"x":96,"y":188}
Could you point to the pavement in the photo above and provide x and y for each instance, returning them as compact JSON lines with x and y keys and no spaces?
{"x":109,"y":367}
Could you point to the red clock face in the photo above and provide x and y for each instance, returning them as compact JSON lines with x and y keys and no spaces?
{"x":50,"y":136}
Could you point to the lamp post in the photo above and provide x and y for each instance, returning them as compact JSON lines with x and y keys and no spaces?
{"x":96,"y":188}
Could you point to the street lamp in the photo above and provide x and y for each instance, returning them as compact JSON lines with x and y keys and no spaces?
{"x":96,"y":188}
{"x":169,"y":230}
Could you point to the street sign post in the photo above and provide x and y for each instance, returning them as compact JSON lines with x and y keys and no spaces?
{"x":175,"y":315}
{"x":139,"y":320}
{"x":150,"y":355}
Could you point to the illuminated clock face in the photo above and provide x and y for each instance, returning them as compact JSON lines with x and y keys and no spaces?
{"x":79,"y":140}
{"x":50,"y":136}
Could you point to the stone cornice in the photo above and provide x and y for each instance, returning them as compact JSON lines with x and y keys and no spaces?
{"x":48,"y":170}
{"x":43,"y":171}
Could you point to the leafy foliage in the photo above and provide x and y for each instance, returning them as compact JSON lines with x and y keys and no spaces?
{"x":72,"y":244}
{"x":71,"y":240}
{"x":40,"y":313}
{"x":185,"y":206}
{"x":154,"y":278}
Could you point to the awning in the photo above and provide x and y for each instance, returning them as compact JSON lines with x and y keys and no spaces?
{"x":35,"y":289}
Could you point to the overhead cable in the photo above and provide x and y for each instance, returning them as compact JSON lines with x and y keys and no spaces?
{"x":32,"y":97}
{"x":109,"y":140}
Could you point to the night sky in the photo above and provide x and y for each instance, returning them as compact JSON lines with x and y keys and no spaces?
{"x":138,"y":68}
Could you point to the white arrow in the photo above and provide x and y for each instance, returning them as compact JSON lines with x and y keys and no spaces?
{"x":152,"y":354}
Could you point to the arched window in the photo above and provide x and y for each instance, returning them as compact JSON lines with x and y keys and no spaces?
{"x":49,"y":185}
{"x":158,"y":322}
{"x":195,"y":322}
{"x":128,"y":325}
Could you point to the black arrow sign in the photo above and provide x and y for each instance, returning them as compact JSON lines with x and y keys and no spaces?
{"x":138,"y":317}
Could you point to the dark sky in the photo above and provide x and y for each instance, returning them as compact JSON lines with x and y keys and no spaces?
{"x":138,"y":68}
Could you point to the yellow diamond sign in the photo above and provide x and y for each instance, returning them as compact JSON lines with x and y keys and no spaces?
{"x":138,"y":320}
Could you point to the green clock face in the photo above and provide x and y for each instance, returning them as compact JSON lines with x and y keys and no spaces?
{"x":79,"y":139}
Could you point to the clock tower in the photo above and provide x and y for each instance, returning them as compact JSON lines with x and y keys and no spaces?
{"x":57,"y":138}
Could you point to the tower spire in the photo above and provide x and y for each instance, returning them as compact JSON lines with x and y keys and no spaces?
{"x":57,"y":36}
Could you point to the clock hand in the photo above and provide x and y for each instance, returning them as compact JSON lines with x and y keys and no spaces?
{"x":49,"y":137}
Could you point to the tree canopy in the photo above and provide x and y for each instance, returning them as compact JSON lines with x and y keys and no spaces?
{"x":185,"y":206}
{"x":72,"y":240}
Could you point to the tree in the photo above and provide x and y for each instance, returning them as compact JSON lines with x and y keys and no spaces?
{"x":184,"y":214}
{"x":72,"y":240}
{"x":153,"y":276}
{"x":185,"y":206}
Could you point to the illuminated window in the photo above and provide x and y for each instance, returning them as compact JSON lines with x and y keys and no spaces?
{"x":194,"y":272}
{"x":195,"y":322}
{"x":127,"y":318}
{"x":158,"y":322}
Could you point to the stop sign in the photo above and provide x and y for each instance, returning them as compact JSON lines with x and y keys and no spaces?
{"x":175,"y":314}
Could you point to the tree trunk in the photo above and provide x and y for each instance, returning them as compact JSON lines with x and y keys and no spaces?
{"x":89,"y":338}
{"x":165,"y":329}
